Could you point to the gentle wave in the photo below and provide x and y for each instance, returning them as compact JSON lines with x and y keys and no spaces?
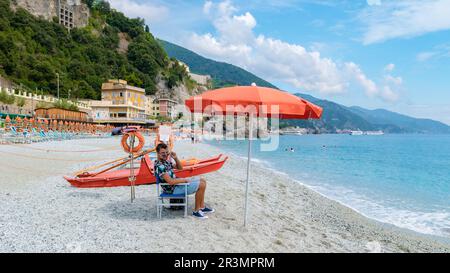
{"x":434,"y":222}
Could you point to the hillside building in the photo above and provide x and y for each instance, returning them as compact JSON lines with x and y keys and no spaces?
{"x":69,"y":13}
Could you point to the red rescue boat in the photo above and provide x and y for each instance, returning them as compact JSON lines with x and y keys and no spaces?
{"x":144,"y":174}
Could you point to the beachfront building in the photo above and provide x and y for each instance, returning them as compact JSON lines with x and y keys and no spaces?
{"x":32,"y":100}
{"x":166,"y":107}
{"x":54,"y":113}
{"x":152,"y":107}
{"x":121,"y":104}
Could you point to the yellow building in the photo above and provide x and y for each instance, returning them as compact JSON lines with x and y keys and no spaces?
{"x":120,"y":104}
{"x":152,"y":107}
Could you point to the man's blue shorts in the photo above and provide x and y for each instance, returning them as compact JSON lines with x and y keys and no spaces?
{"x":192,"y":188}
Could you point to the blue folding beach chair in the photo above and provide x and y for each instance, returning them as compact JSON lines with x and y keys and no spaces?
{"x":161,"y":196}
{"x":19,"y":137}
{"x":43,"y":135}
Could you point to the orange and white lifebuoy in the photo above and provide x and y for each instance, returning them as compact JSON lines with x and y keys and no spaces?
{"x":136,"y":148}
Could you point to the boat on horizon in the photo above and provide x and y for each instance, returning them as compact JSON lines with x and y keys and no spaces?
{"x":356,"y":133}
{"x":293,"y":131}
{"x":374,"y":133}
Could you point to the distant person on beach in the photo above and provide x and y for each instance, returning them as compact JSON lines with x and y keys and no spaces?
{"x":116,"y":131}
{"x":164,"y":171}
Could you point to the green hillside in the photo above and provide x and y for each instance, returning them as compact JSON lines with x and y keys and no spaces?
{"x":405,"y":123}
{"x":33,"y":50}
{"x":223,"y":74}
{"x":336,"y":116}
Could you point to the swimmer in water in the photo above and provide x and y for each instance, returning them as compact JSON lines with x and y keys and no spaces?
{"x":292,"y":149}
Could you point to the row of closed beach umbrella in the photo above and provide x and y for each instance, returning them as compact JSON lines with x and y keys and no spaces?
{"x":24,"y":130}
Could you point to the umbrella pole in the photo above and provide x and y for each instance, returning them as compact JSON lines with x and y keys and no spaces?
{"x":247,"y":186}
{"x":132,"y":178}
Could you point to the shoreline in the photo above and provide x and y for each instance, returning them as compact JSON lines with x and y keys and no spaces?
{"x":365,"y":203}
{"x":386,"y":225}
{"x":46,"y":214}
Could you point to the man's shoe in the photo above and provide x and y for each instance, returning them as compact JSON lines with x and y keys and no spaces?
{"x":199,"y":215}
{"x":207,"y":210}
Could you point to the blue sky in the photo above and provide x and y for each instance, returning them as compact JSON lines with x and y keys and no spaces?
{"x":371,"y":53}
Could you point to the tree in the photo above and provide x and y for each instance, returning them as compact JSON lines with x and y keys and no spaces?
{"x":20,"y":102}
{"x":89,"y":3}
{"x":102,"y":6}
{"x":33,"y":49}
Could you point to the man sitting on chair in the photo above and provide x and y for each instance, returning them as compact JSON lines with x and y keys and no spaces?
{"x":164,"y":170}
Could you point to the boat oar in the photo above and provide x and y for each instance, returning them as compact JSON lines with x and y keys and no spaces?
{"x":99,"y":166}
{"x":124,"y":162}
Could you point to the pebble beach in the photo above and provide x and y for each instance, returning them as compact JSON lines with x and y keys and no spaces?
{"x":41,"y":212}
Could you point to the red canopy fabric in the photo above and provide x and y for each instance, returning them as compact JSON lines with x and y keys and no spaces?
{"x":261,"y":101}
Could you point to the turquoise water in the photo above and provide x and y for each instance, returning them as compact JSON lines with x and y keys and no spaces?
{"x":399,"y":179}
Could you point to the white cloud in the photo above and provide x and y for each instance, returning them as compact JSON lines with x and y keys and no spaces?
{"x":393,"y":80}
{"x":235,"y":41}
{"x":438,"y":52}
{"x":404,"y":18}
{"x":388,"y":94}
{"x":374,"y":2}
{"x":389,"y":67}
{"x":369,"y":86}
{"x":207,"y":7}
{"x":425,"y":56}
{"x":150,"y":12}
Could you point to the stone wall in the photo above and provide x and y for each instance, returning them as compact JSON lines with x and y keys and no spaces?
{"x":48,"y":9}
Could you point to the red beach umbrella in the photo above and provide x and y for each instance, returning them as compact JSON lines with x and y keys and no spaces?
{"x":289,"y":106}
{"x":253,"y":101}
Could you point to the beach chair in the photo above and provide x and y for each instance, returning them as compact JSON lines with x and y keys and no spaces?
{"x":44,"y":136}
{"x":53,"y":135}
{"x":35,"y":136}
{"x":161,"y":196}
{"x":17,"y":137}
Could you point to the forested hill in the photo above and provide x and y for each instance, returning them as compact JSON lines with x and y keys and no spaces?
{"x":33,"y":50}
{"x":339,"y":117}
{"x":223,"y":74}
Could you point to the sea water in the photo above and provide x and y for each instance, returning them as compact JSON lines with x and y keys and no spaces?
{"x":398,"y":179}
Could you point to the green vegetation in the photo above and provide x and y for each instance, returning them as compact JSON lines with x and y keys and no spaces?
{"x":64,"y":104}
{"x":223,"y":74}
{"x":175,"y":74}
{"x":163,"y":119}
{"x":336,"y":116}
{"x":6,"y":98}
{"x":41,"y":105}
{"x":20,"y":102}
{"x":33,"y":50}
